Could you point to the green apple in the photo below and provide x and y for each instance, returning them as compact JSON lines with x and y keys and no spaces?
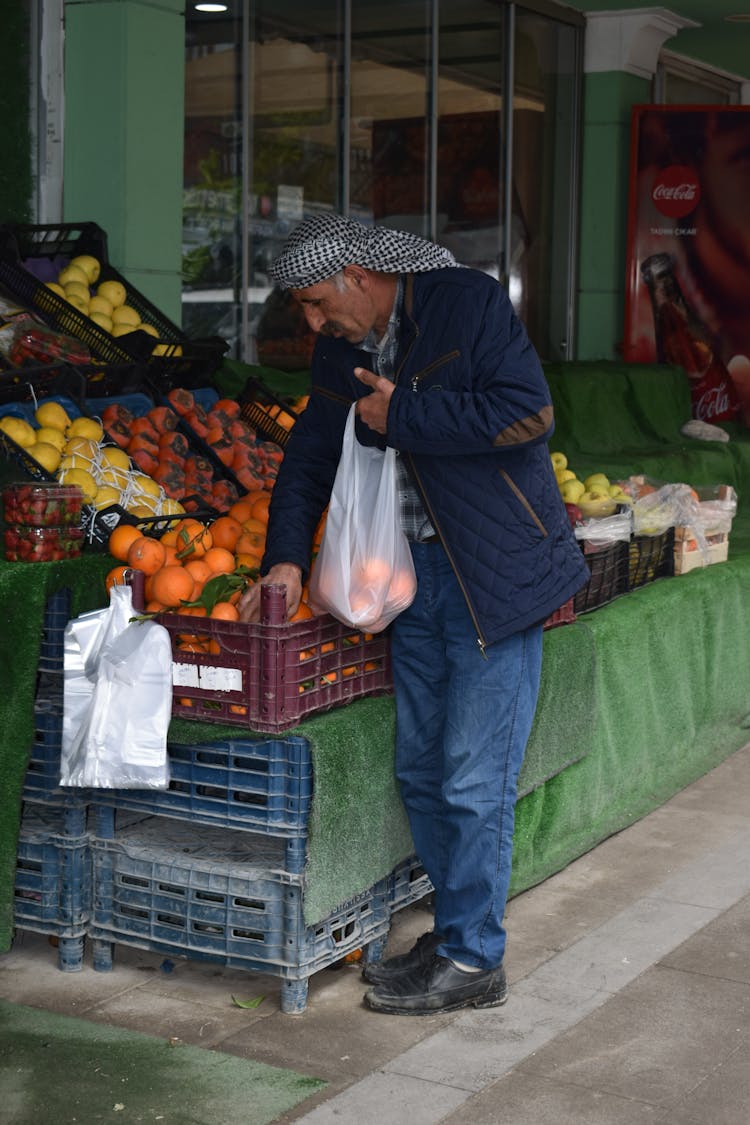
{"x":595,"y":503}
{"x":559,"y":461}
{"x":562,"y":475}
{"x":597,"y":482}
{"x":572,"y":490}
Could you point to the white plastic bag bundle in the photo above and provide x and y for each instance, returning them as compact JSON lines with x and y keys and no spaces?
{"x":117,"y":699}
{"x":364,"y":572}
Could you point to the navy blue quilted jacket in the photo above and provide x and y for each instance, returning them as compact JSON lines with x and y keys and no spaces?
{"x":471,"y":413}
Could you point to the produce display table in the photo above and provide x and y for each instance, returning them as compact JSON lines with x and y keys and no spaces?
{"x":638,"y":698}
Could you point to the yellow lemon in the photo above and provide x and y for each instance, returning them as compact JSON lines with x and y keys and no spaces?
{"x":86,"y":428}
{"x":78,"y":302}
{"x":170,"y":507}
{"x":101,"y":319}
{"x":112,"y":291}
{"x":139,"y":510}
{"x":84,"y":480}
{"x":45,"y":455}
{"x":52,"y":414}
{"x":144,"y":483}
{"x":123,"y":329}
{"x":149,"y":329}
{"x":53,"y":285}
{"x":77,"y":288}
{"x":18,"y":430}
{"x":114,"y":477}
{"x":167,"y":349}
{"x":89,"y":264}
{"x":50,"y":436}
{"x":82,"y":448}
{"x":112,"y":455}
{"x":125,"y":314}
{"x":101,"y":305}
{"x":75,"y":461}
{"x":72,"y":273}
{"x":106,"y":496}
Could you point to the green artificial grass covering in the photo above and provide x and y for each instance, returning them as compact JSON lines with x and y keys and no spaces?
{"x":673,"y":687}
{"x":24,"y":591}
{"x":358,"y":831}
{"x":62,"y":1069}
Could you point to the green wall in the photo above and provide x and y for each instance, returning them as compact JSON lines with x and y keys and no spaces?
{"x":124,"y":125}
{"x":608,"y":99}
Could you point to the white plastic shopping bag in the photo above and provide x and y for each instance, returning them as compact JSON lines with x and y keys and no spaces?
{"x":117,"y":699}
{"x":364,"y":572}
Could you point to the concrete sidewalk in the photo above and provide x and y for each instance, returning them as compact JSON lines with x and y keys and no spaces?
{"x":630,"y":995}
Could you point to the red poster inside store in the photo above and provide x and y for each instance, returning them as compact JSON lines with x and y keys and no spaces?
{"x":687,"y":298}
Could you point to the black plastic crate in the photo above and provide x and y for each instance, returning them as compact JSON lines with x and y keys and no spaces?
{"x":650,"y":557}
{"x":31,"y":255}
{"x":255,"y":402}
{"x":608,"y":566}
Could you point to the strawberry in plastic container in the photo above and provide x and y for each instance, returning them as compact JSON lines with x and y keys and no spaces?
{"x":26,"y":339}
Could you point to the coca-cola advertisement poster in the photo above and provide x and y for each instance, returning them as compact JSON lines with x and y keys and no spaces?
{"x":687,"y":297}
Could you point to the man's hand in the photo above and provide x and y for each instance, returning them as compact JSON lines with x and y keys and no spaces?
{"x":283,"y":574}
{"x":373,"y":408}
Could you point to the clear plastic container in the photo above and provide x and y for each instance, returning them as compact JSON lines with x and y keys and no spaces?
{"x":42,"y":504}
{"x":24,"y":543}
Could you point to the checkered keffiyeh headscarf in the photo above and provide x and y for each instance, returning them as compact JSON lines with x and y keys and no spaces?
{"x":322,"y":245}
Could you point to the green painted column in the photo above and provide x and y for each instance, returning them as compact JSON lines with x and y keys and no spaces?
{"x":608,"y":98}
{"x":124,"y":126}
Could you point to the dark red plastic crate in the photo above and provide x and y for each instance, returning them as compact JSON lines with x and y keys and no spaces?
{"x":270,"y":675}
{"x":608,"y":566}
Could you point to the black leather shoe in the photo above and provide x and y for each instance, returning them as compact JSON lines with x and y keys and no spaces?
{"x":438,"y":986}
{"x":420,"y":953}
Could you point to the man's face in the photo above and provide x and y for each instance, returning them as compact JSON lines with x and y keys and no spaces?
{"x":331,"y":311}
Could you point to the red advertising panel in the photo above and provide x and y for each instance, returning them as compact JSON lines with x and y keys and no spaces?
{"x":687,"y":297}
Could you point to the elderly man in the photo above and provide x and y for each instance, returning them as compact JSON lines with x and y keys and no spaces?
{"x":443,"y":371}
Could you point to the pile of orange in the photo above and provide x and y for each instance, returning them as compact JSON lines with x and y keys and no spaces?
{"x":178,"y":565}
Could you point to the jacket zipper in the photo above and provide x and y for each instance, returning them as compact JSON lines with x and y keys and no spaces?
{"x":480,"y":639}
{"x":433,"y":367}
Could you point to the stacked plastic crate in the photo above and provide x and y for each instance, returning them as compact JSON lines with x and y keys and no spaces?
{"x":53,"y":883}
{"x":215,"y":869}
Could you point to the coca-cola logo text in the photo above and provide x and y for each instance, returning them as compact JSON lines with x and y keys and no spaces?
{"x":714,"y":404}
{"x":675,"y":191}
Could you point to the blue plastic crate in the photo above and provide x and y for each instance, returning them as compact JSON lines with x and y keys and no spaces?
{"x":52,"y":647}
{"x":42,"y":780}
{"x":408,"y":882}
{"x":53,"y":883}
{"x":262,"y":785}
{"x":222,"y":896}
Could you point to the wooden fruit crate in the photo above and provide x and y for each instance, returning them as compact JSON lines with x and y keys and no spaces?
{"x":688,"y":555}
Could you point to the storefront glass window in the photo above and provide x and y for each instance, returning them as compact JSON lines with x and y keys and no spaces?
{"x":395,"y":112}
{"x":469,"y":162}
{"x":390,"y":136}
{"x":541,"y":268}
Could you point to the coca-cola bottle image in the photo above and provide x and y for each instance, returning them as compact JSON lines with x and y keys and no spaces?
{"x":683,"y":339}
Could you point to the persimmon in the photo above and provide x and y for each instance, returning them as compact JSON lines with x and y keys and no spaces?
{"x":302,"y":613}
{"x":146,"y":554}
{"x":172,"y":585}
{"x":119,"y":542}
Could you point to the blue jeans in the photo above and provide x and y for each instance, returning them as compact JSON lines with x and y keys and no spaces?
{"x":462,"y":723}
